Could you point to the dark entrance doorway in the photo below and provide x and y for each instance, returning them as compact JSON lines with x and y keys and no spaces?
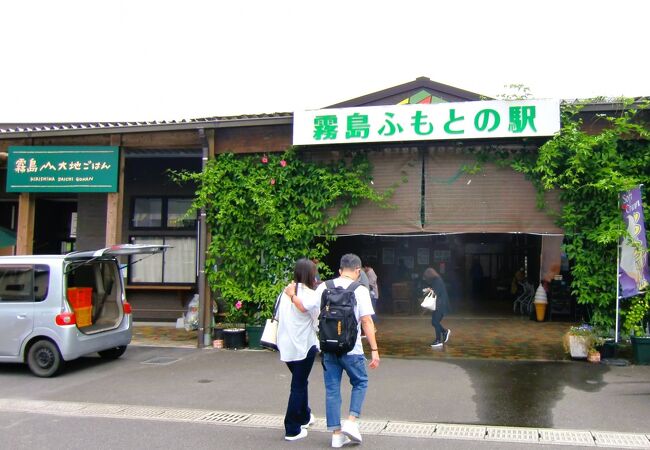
{"x":55,"y":224}
{"x":478,"y":268}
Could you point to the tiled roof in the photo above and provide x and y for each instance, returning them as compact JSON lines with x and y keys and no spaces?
{"x":20,"y":128}
{"x":9,"y":130}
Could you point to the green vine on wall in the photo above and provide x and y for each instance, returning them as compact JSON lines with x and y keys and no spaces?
{"x":590,"y":170}
{"x":266,"y":211}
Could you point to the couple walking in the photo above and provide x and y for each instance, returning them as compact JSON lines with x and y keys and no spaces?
{"x":298,"y":343}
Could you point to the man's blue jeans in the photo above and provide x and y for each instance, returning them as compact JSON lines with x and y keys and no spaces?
{"x":355,"y":367}
{"x":298,"y":410}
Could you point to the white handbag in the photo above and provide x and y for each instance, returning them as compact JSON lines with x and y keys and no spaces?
{"x":429,"y":301}
{"x":269,"y":339}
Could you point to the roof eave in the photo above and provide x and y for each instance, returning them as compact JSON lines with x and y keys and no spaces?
{"x":221,"y":123}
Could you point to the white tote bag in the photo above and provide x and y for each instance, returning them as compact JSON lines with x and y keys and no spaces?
{"x":269,"y":339}
{"x":429,"y":301}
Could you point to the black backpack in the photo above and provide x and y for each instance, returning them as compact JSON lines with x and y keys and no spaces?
{"x":337,"y":324}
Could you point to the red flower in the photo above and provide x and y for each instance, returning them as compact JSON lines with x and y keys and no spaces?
{"x":283,"y":163}
{"x":265,"y":159}
{"x":272,"y":181}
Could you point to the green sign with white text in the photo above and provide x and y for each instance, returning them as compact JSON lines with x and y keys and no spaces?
{"x":427,"y":122}
{"x":62,"y":169}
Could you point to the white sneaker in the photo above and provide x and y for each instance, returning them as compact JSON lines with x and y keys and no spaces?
{"x":339,"y":440}
{"x":351,"y":430}
{"x":312,"y":420}
{"x":302,"y":434}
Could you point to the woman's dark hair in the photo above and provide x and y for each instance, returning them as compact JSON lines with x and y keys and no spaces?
{"x":305,"y":273}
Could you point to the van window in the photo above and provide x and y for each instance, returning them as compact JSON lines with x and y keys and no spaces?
{"x":24,"y":283}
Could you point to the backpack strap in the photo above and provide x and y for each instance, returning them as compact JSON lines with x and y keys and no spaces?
{"x":329,"y":284}
{"x":353,"y":286}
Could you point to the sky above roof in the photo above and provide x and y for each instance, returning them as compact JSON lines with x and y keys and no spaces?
{"x":159,"y":60}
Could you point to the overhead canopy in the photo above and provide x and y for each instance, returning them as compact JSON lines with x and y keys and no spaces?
{"x":435,"y":193}
{"x":492,"y":200}
{"x":400,"y":168}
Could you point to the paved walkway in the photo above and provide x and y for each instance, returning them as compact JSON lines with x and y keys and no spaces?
{"x":500,"y":337}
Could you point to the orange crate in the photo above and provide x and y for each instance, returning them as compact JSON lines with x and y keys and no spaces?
{"x":83,"y":316}
{"x":80,"y":297}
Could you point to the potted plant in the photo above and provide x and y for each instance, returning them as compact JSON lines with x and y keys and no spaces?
{"x":234,"y":334}
{"x":637,"y":322}
{"x":256,"y":316}
{"x":580,"y":340}
{"x":248,"y":318}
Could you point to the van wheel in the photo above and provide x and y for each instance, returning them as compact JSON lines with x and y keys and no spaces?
{"x":44,"y":359}
{"x":112,"y":353}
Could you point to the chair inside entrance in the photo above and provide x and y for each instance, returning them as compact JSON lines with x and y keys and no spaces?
{"x":525,"y":299}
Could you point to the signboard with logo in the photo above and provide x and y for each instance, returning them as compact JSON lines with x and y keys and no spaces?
{"x":633,"y":270}
{"x":426,"y":122}
{"x":62,"y":169}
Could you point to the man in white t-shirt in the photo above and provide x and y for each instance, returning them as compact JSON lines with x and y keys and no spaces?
{"x":353,"y":362}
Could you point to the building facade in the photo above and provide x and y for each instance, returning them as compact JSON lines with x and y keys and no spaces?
{"x":446,"y":215}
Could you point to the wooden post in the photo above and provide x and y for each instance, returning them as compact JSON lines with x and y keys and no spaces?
{"x":25,"y":234}
{"x":115,"y":201}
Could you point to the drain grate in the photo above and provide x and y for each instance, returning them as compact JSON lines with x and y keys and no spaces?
{"x":64,"y":407}
{"x":566,"y":437}
{"x":223,"y":417}
{"x":409,"y":429}
{"x":470,"y":432}
{"x":510,"y":434}
{"x":102,"y":409}
{"x":183,"y":414}
{"x":141,"y":412}
{"x":264,"y":421}
{"x":372,"y":426}
{"x":621,"y":440}
{"x":160,"y":360}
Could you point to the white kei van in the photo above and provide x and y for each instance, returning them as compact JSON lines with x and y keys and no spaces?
{"x":55,"y":308}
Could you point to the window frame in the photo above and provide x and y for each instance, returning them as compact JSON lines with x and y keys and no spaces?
{"x":164,"y":213}
{"x":134,"y":237}
{"x":32,"y":268}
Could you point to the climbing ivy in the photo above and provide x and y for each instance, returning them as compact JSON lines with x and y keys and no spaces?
{"x":266,"y":211}
{"x":589,"y":170}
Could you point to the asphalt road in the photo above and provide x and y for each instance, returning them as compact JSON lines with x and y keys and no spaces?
{"x":564,"y":395}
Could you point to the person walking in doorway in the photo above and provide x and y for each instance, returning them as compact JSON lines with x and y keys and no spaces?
{"x":373,"y":288}
{"x":352,"y":362}
{"x":431,"y":280}
{"x":298,"y":344}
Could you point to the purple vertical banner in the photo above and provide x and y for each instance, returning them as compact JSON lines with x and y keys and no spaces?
{"x":633,"y":271}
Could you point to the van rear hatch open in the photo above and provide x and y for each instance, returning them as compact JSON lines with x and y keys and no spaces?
{"x":94,"y":288}
{"x":117,"y":250}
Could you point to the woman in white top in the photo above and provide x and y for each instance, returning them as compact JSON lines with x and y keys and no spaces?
{"x":298,"y":344}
